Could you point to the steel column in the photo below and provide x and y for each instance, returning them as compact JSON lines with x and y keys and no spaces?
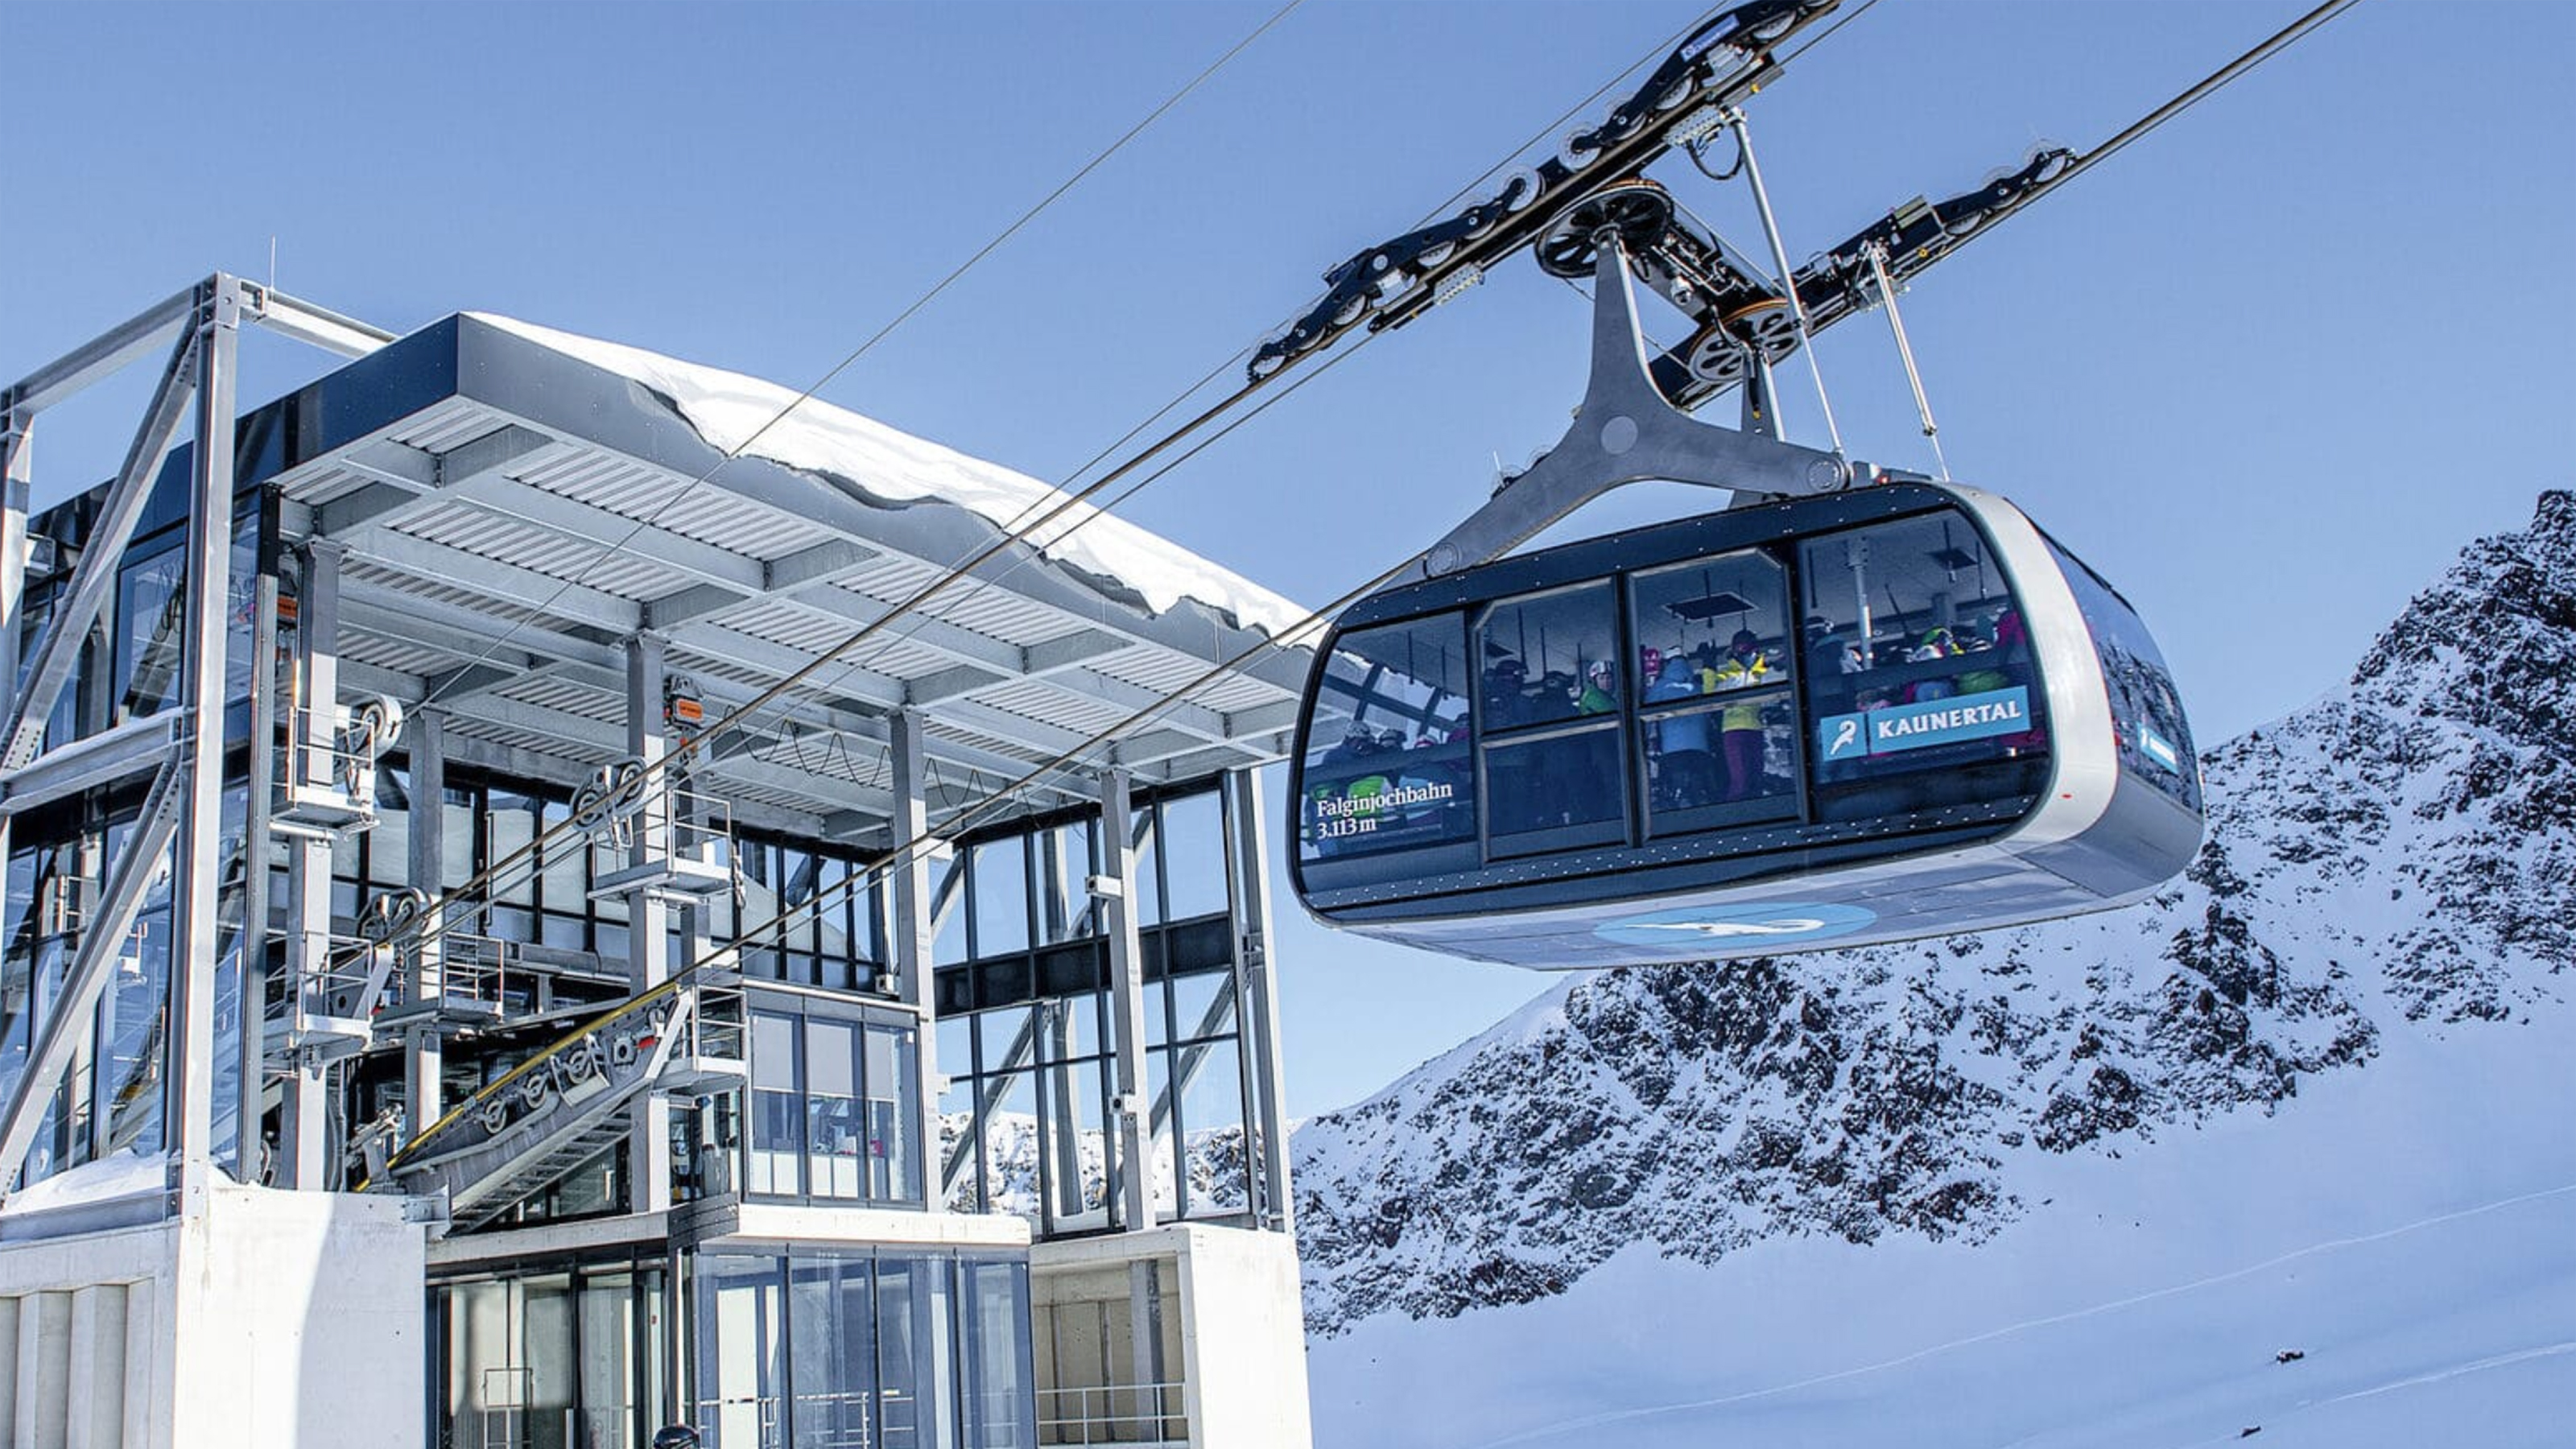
{"x":424,"y":1053}
{"x":17,"y":464}
{"x":1117,"y":897}
{"x":912,"y":920}
{"x":302,"y":1152}
{"x":1256,"y":989}
{"x":648,"y":912}
{"x":188,"y":1079}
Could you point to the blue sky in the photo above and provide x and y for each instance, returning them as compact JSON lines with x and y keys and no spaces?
{"x":2267,"y":369}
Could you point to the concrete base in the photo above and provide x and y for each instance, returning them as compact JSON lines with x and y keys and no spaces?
{"x":1113,"y":1313}
{"x":272,"y":1319}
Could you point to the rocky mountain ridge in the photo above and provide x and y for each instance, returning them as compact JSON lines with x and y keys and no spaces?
{"x":2399,"y":855}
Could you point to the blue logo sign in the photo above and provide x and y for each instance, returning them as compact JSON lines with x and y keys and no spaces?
{"x":1932,"y":722}
{"x":1696,"y":930}
{"x":2159,"y":749}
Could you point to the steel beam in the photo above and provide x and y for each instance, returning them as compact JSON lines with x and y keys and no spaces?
{"x":196,"y":886}
{"x":424,"y":1051}
{"x":1256,"y":988}
{"x":1116,"y":894}
{"x":76,"y":608}
{"x":17,"y":465}
{"x":74,"y":1011}
{"x":648,"y":914}
{"x":303,"y":1152}
{"x":317,"y":326}
{"x":152,"y":327}
{"x":119,"y":753}
{"x":913,"y":916}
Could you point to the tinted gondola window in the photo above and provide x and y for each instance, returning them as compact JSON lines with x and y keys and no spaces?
{"x":1386,"y":763}
{"x":1921,"y":683}
{"x":2146,"y":712}
{"x":1716,"y":656}
{"x":1548,"y":721}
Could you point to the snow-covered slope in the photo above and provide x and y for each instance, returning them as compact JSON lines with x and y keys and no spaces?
{"x":2390,"y":875}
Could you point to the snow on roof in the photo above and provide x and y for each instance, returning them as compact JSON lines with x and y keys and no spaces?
{"x":734,"y":412}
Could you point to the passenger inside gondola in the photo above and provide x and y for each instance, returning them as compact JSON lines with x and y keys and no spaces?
{"x":1933,"y":698}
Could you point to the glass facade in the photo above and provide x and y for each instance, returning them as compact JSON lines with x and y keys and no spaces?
{"x":831,"y":1114}
{"x":817,"y":1348}
{"x":1026,"y":1037}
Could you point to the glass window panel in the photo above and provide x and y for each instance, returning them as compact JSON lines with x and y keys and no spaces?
{"x":388,"y":842}
{"x":1203,"y":1005}
{"x":510,"y":825}
{"x":1074,"y":1102}
{"x":1000,"y":881}
{"x":956,"y":1120}
{"x":1211,"y":1123}
{"x":1009,"y":1162}
{"x":894,"y":1130}
{"x":1164,"y":1147}
{"x":1555,"y":791}
{"x":2154,"y":739}
{"x":456,"y":839}
{"x":1069,"y":1027}
{"x":241,"y":604}
{"x":1548,"y":658}
{"x":742,"y":1369}
{"x":1193,"y":831}
{"x":1000,"y":1389}
{"x":1710,"y":625}
{"x":916,"y":1373}
{"x":1386,"y":750}
{"x":832,"y":1129}
{"x":151,"y":610}
{"x":1148,"y":899}
{"x":948,"y":911}
{"x":777,"y":1126}
{"x":565,"y":860}
{"x":612,"y":1378}
{"x":831,"y":1316}
{"x":1931,"y":698}
{"x":1066,"y":857}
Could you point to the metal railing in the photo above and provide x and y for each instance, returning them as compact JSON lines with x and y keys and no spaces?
{"x":1156,"y":1413}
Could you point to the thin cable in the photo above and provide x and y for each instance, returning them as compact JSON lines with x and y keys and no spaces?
{"x":862,"y":350}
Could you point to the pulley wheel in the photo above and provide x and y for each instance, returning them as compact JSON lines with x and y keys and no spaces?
{"x":1637,"y":210}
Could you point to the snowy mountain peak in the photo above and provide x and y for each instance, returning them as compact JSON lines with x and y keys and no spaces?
{"x":2398,"y":856}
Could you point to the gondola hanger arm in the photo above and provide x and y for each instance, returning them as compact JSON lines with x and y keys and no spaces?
{"x":1627,"y":432}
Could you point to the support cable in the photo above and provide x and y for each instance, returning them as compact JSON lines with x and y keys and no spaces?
{"x":862,"y":350}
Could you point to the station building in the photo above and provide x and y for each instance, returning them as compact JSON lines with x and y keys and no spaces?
{"x":544,"y":902}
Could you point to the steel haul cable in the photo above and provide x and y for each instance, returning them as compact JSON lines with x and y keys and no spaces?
{"x":431,"y":920}
{"x":722,"y":957}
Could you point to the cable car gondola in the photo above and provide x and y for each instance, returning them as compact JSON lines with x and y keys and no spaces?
{"x":1871,"y":709}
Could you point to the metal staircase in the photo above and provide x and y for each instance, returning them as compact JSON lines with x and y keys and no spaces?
{"x":566,"y":1105}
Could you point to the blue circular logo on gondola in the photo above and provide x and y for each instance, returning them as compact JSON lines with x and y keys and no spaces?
{"x":1695,"y":929}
